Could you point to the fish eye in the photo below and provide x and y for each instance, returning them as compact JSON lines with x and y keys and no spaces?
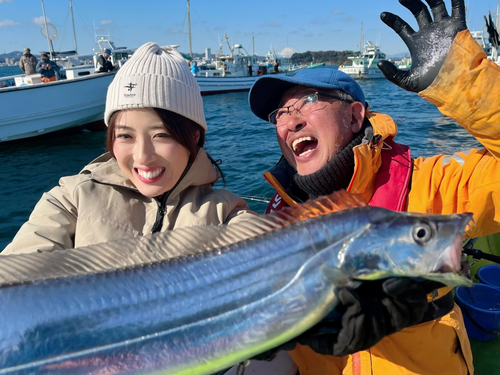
{"x":422,"y":233}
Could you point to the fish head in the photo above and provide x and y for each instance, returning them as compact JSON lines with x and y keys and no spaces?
{"x":408,"y":244}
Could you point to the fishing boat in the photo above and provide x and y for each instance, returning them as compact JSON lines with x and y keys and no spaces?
{"x":31,"y":108}
{"x":364,"y":64}
{"x":233,"y":72}
{"x":488,"y":37}
{"x":285,"y":63}
{"x":404,"y":63}
{"x":236,"y":71}
{"x":315,"y":65}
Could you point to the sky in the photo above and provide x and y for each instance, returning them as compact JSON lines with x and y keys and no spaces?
{"x":287,"y":26}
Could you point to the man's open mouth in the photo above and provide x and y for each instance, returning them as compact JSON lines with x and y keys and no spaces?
{"x":304,"y":145}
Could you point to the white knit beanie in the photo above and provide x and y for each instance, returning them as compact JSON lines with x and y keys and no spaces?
{"x":156,"y":77}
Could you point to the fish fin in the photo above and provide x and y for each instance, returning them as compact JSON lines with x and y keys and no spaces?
{"x":162,"y":247}
{"x":177,"y":245}
{"x":337,"y":201}
{"x":335,"y":275}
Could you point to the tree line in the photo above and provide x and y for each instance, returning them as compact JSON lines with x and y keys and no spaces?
{"x":327,"y":57}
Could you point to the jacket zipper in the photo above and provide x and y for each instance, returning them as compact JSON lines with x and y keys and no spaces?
{"x":160,"y":214}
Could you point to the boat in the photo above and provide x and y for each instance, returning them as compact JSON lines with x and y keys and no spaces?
{"x":404,"y":63}
{"x":364,"y":64}
{"x":285,"y":63}
{"x":31,"y":108}
{"x":315,"y":65}
{"x":230,"y":72}
{"x":488,"y":38}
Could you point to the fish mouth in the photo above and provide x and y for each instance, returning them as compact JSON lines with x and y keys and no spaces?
{"x":304,"y":145}
{"x":451,"y":261}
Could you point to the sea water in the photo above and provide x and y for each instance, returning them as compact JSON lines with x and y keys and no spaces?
{"x":246,"y":145}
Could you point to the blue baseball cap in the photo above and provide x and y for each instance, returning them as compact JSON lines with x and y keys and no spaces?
{"x":107,"y":51}
{"x":266,"y":93}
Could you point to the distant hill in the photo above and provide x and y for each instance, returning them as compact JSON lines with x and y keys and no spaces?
{"x":331,"y":57}
{"x":327,"y":57}
{"x":16,"y":54}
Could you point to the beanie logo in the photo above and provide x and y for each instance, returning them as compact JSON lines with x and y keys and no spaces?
{"x":131,"y":86}
{"x":130,"y":89}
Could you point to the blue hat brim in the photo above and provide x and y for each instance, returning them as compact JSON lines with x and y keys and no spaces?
{"x":266,"y":93}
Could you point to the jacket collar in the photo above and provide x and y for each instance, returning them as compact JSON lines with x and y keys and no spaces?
{"x":382,"y":124}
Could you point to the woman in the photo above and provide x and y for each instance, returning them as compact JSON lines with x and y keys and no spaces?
{"x":156,"y":175}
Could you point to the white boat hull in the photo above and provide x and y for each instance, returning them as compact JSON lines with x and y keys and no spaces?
{"x":220,"y":85}
{"x":362,"y":73}
{"x":32,"y":110}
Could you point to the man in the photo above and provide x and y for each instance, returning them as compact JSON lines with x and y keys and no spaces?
{"x":276,"y":66}
{"x":28,"y":62}
{"x":104,"y":63}
{"x":331,"y":140}
{"x":194,"y":68}
{"x":47,"y":68}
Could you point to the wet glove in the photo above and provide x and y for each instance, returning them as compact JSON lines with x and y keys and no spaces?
{"x":429,"y":46}
{"x":364,"y":316}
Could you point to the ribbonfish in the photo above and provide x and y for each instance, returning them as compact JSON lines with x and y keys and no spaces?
{"x":198,"y":300}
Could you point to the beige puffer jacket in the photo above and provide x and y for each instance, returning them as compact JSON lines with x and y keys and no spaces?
{"x":101,"y":204}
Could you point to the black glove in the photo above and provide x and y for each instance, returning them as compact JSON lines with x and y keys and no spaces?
{"x":364,"y":316}
{"x":429,"y":46}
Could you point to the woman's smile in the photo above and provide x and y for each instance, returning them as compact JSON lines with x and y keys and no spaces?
{"x":149,"y":175}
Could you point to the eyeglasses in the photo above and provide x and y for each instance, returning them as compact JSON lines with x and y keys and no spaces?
{"x":303,"y":106}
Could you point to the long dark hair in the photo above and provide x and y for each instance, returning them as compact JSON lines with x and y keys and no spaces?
{"x":180,"y":128}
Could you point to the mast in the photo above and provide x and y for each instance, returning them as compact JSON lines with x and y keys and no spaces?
{"x":189,"y":25}
{"x":361,"y":42}
{"x":73,"y":22}
{"x":49,"y":41}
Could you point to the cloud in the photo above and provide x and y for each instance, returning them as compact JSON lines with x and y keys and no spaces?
{"x":5,"y":1}
{"x":39,"y":20}
{"x":271,"y":25}
{"x":335,"y":12}
{"x":175,"y":31}
{"x":318,"y":21}
{"x":106,"y":22}
{"x":308,"y":35}
{"x":6,"y":23}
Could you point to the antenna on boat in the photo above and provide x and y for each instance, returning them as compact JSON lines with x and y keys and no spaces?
{"x":73,"y":22}
{"x":189,"y":26}
{"x":49,"y":40}
{"x":361,"y":42}
{"x":228,"y":44}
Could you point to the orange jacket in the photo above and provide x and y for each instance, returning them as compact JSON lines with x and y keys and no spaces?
{"x":464,"y":90}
